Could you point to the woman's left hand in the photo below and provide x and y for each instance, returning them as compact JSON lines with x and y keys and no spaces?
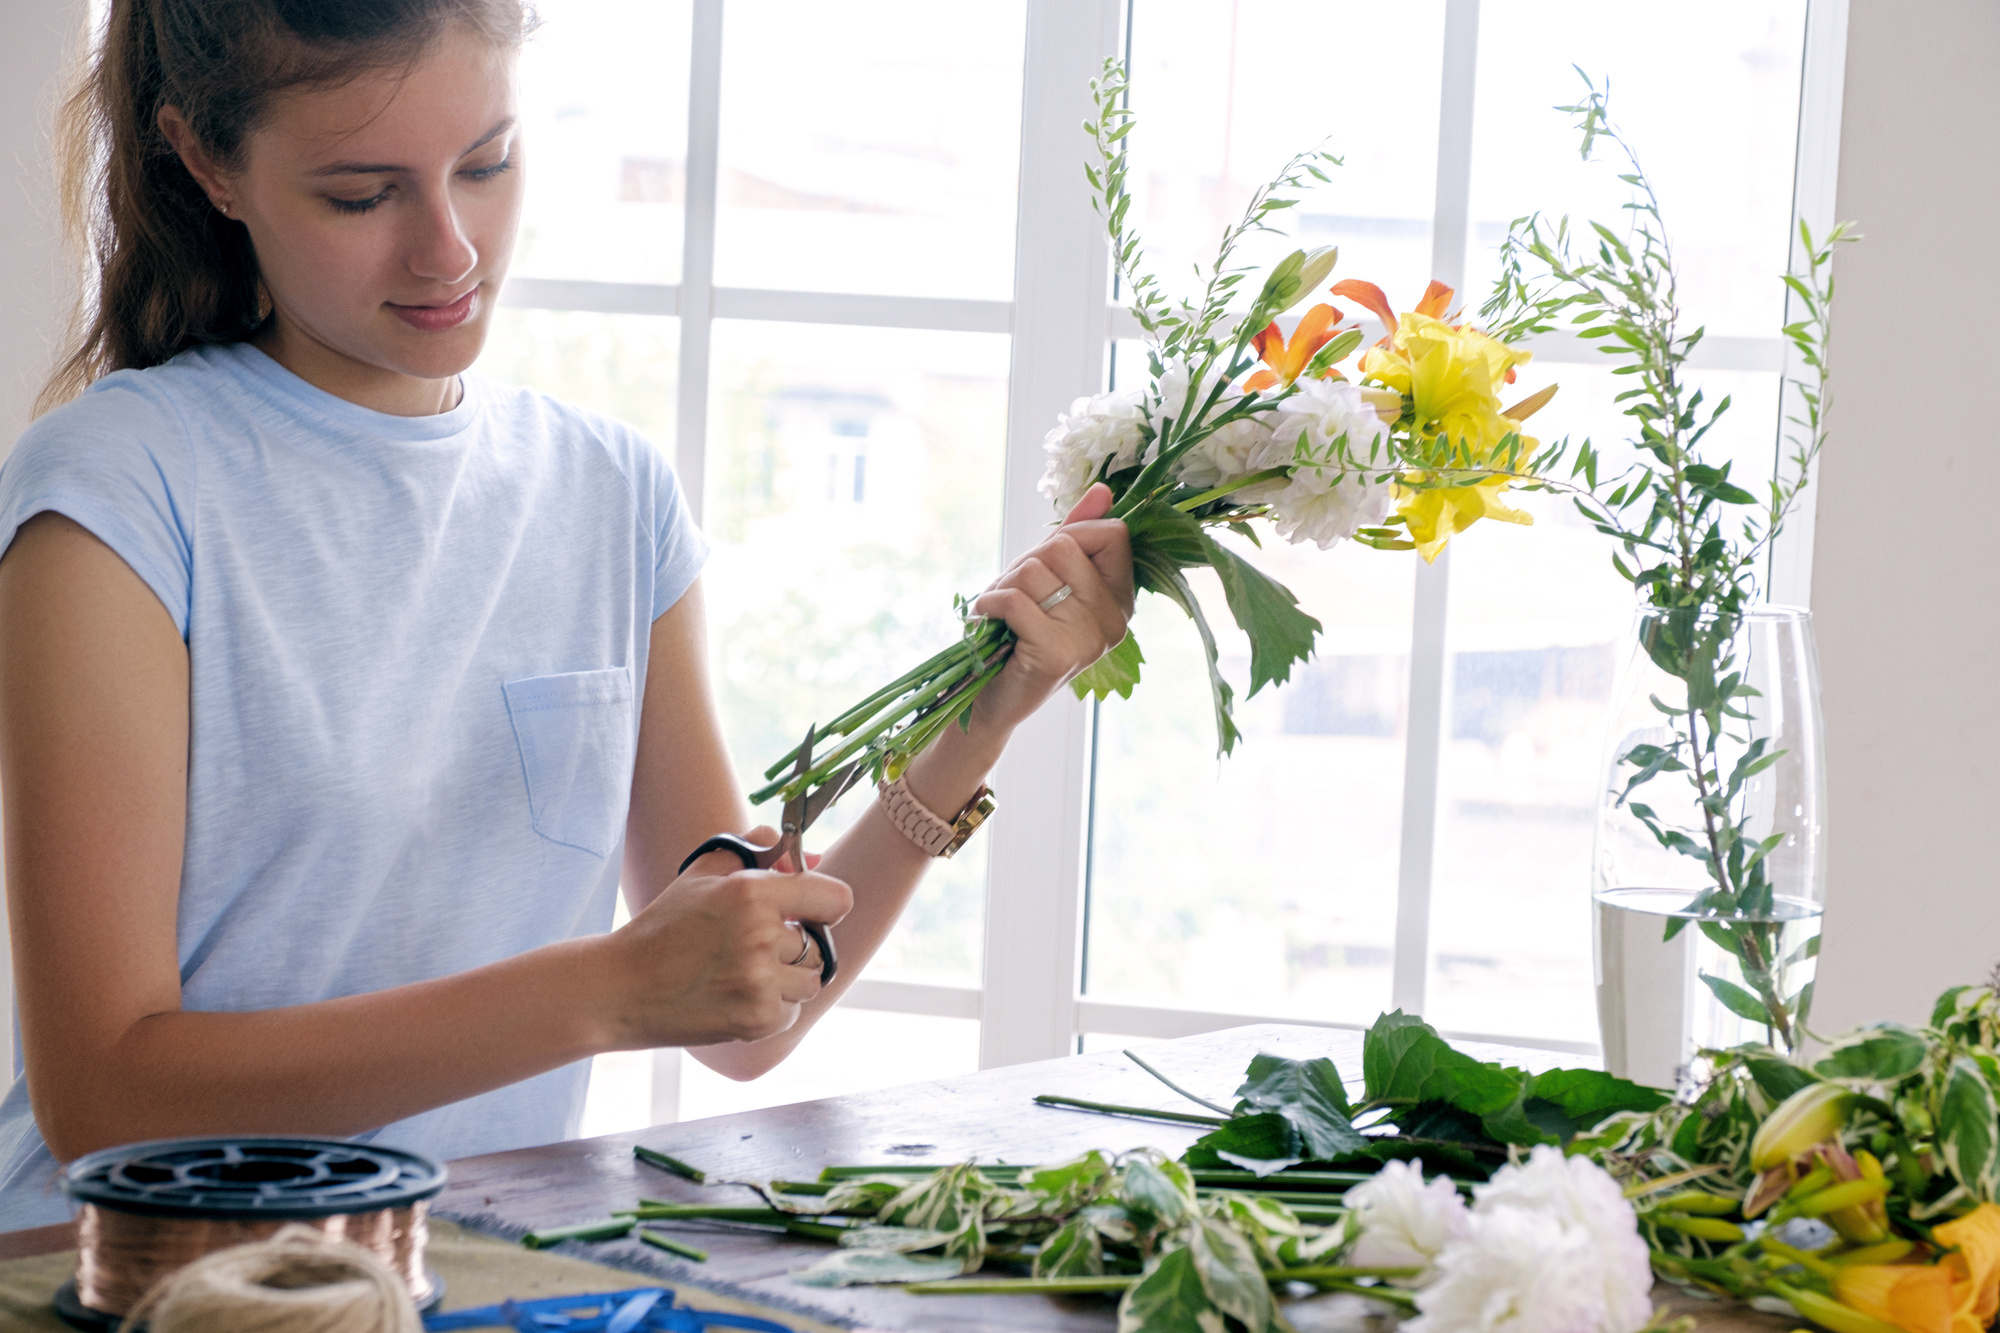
{"x":1092,"y":556}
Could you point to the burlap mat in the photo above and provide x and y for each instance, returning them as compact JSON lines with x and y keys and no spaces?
{"x":477,"y":1270}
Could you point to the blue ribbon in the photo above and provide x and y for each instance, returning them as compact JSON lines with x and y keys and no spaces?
{"x":644,"y":1310}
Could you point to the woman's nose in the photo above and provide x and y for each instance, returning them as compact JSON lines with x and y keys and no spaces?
{"x":441,"y":250}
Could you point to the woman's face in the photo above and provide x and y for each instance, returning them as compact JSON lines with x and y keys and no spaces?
{"x":383,"y":212}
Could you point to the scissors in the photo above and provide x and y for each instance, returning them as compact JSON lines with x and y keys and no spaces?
{"x":800,"y":812}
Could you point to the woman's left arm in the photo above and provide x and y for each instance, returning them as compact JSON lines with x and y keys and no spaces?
{"x":684,"y":789}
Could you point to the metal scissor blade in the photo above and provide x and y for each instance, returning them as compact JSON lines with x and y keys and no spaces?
{"x":830,"y":791}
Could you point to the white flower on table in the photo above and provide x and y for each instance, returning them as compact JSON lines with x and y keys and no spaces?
{"x":1106,"y":426}
{"x":1322,"y":503}
{"x":1405,"y":1223}
{"x":1553,"y":1247}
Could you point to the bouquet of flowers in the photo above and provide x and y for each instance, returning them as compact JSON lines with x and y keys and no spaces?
{"x":1238,"y":424}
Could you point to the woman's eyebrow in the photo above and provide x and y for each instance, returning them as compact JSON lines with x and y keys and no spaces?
{"x":384,"y":168}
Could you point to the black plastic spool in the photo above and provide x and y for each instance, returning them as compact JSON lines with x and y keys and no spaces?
{"x":245,"y":1180}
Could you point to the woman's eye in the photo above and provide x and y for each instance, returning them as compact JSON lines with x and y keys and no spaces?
{"x":488,"y":173}
{"x":357,"y":205}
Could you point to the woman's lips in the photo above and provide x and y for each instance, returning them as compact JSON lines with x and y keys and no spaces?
{"x":434,"y":318}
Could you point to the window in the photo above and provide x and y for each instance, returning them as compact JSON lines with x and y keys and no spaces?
{"x":845,"y":272}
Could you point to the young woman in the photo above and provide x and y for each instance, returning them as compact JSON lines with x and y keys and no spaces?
{"x":339,"y":691}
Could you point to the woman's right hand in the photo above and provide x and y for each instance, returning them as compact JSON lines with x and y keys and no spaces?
{"x":710,"y":958}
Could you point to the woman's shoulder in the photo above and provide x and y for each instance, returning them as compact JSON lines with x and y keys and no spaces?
{"x":568,"y":427}
{"x":129,"y":419}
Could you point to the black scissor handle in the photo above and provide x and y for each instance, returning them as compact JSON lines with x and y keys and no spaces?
{"x":752,"y":857}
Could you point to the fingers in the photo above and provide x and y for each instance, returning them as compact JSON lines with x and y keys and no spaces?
{"x":1096,"y":503}
{"x":809,"y":897}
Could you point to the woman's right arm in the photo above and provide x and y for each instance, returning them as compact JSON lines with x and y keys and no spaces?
{"x":93,"y":774}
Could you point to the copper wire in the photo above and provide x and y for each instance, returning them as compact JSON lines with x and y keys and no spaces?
{"x":119,"y":1256}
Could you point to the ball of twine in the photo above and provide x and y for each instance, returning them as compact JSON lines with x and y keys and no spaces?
{"x":298,"y":1281}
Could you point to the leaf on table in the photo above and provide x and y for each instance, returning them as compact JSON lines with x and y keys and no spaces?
{"x":1063,"y":1187}
{"x":1261,"y":1143}
{"x":1265,"y":609}
{"x":1160,"y":1189}
{"x":1882,"y":1053}
{"x":1588,"y":1096}
{"x":853,"y":1268}
{"x":1075,"y":1250}
{"x":1231,"y":1275}
{"x":1308,"y":1093}
{"x":1170,"y":1299}
{"x":940,"y":1201}
{"x":1405,"y":1061}
{"x":1967,"y":1126}
{"x":1114,"y":673}
{"x":904,"y":1240}
{"x":1775,"y":1078}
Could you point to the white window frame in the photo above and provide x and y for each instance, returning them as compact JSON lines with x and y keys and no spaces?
{"x":1029,"y":1006}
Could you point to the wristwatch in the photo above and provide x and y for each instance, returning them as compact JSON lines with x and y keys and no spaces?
{"x":937,"y":836}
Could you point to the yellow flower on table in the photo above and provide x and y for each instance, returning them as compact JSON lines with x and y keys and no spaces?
{"x":1958,"y":1294}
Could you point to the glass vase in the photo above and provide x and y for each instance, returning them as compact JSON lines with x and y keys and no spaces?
{"x":1709,"y":867}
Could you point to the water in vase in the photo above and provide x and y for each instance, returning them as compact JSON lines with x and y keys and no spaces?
{"x":1653,"y":1003}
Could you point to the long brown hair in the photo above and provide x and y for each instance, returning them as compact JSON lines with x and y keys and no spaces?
{"x":166,"y":270}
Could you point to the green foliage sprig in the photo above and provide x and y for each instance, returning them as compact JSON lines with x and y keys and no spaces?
{"x":1690,"y":540}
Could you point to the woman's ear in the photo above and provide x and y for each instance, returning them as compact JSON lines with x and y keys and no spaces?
{"x":182,"y":136}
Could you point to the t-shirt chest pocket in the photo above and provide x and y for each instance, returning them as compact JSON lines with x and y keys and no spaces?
{"x":575,"y":734}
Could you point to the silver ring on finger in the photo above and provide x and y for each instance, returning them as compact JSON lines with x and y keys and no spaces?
{"x":1057,"y":598}
{"x":805,"y":947}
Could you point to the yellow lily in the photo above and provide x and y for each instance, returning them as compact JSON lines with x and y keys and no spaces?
{"x":1958,"y":1294}
{"x":1975,"y":1240}
{"x":1435,"y":515}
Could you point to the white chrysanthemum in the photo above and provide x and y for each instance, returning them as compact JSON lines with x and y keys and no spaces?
{"x":1579,"y":1193}
{"x":1094,"y":429}
{"x":1553,"y":1247}
{"x":1321,"y":503}
{"x":1518,"y":1271}
{"x":1404,"y":1222}
{"x":1230,"y":452}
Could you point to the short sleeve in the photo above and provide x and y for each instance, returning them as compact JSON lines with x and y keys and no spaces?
{"x":118,"y":461}
{"x":679,"y":548}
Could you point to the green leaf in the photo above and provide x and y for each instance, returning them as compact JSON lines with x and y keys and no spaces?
{"x":1261,"y":1143}
{"x":1736,"y":1000}
{"x":1587,"y":1096}
{"x":1308,"y":1093}
{"x":1066,"y":1186}
{"x":850,"y":1268}
{"x":1075,"y":1250}
{"x":1231,"y":1275}
{"x":1778,"y":1079}
{"x":1162,"y":1189}
{"x":1170,"y":1299}
{"x":1115,"y":672}
{"x":1967,"y":1127}
{"x":1405,"y":1061}
{"x":1883,"y":1053}
{"x":1280,"y":634}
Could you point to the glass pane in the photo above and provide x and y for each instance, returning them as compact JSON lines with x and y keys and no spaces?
{"x":1539,"y":623}
{"x":1721,"y":161}
{"x":1221,"y":108}
{"x":853,"y":487}
{"x":604,"y":97}
{"x":870,"y":155}
{"x":1265,"y":883}
{"x":851,"y":1050}
{"x":625,"y":366}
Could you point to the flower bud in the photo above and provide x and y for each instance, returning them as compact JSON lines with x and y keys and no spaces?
{"x":1318,"y":264}
{"x":1810,"y":1116}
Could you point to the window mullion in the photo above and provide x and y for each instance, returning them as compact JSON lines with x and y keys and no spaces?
{"x":698,"y":248}
{"x":1034,"y":883}
{"x":1424,"y":735}
{"x":1815,"y":174}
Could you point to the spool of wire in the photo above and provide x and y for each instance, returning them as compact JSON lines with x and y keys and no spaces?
{"x":148,"y":1209}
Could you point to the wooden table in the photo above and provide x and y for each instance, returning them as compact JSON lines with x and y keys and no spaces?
{"x":990,"y":1115}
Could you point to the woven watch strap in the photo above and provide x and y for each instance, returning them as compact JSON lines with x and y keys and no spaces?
{"x":935,"y":835}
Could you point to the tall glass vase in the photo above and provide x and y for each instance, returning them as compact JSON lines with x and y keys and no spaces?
{"x":1709,"y":870}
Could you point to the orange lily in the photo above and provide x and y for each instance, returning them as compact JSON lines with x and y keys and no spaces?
{"x":1315,"y":330}
{"x":1958,"y":1294}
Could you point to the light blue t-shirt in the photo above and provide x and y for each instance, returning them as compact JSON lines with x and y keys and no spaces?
{"x":417,"y":646}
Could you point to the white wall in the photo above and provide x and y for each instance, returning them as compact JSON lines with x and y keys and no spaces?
{"x":37,"y":38}
{"x":1905,"y":554}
